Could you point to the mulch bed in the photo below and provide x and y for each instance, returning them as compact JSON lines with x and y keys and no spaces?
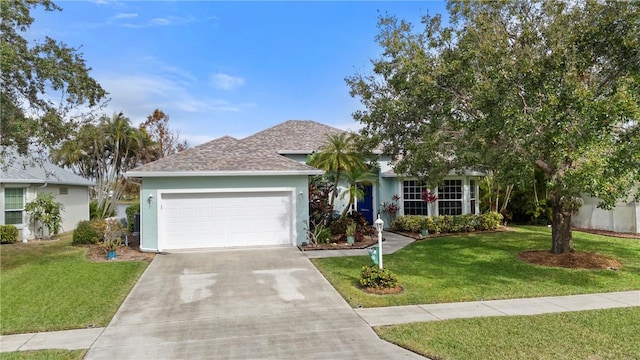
{"x":124,"y":253}
{"x":609,"y":233}
{"x":574,"y":260}
{"x":341,"y":245}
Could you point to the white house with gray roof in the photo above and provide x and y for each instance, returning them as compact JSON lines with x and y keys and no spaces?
{"x":254,"y":191}
{"x":22,"y":179}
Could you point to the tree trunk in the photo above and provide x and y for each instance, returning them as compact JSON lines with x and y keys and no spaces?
{"x":562,"y":240}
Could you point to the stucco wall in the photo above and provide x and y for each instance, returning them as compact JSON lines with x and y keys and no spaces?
{"x":153,"y":186}
{"x":76,"y":204}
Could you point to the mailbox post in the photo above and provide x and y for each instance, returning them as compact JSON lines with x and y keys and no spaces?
{"x":379,"y":225}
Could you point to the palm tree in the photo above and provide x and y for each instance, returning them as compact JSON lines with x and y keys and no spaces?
{"x":357,"y":177}
{"x":337,"y":156}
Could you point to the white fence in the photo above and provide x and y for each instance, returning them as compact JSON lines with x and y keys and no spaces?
{"x":623,"y":218}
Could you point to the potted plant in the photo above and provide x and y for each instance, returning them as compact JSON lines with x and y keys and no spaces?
{"x":424,"y":224}
{"x":112,"y":238}
{"x":351,"y":232}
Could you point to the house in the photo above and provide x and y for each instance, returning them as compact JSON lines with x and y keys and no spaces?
{"x":22,"y":179}
{"x":624,"y":217}
{"x":254,"y":191}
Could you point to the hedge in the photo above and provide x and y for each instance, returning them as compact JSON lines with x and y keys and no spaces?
{"x":448,"y":223}
{"x":8,"y":234}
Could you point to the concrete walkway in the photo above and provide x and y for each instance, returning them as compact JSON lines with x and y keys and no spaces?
{"x":392,"y":243}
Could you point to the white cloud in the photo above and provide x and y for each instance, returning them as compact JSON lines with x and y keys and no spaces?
{"x":160,"y":21}
{"x":124,"y":16}
{"x":226,"y":81}
{"x":137,"y":95}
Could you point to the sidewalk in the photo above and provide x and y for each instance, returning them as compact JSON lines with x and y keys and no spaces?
{"x":84,"y":338}
{"x":530,"y":306}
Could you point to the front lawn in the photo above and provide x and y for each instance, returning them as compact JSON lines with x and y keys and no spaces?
{"x":50,"y":286}
{"x":56,"y":354}
{"x":485,"y":266}
{"x":596,"y":334}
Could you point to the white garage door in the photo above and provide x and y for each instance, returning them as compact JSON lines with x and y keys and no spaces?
{"x":206,"y":220}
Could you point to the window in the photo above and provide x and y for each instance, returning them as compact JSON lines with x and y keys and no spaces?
{"x":472,"y":196}
{"x":64,"y":190}
{"x":450,"y":198}
{"x":412,"y":198}
{"x":13,"y":206}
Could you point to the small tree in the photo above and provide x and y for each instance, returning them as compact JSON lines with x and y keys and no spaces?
{"x":44,"y":212}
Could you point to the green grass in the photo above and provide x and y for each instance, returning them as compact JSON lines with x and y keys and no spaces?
{"x":485,"y":266}
{"x":596,"y":334}
{"x":44,"y":355}
{"x":51,"y":286}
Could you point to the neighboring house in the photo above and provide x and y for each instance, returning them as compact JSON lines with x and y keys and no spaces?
{"x":21,"y":180}
{"x":254,"y":191}
{"x":625,"y":217}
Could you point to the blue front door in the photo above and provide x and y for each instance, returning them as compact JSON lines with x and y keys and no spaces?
{"x":365,"y":206}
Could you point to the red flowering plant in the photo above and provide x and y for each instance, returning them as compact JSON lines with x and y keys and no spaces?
{"x":429,"y":196}
{"x":390,"y":209}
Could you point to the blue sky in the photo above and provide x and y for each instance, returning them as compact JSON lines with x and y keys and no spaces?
{"x":226,"y":68}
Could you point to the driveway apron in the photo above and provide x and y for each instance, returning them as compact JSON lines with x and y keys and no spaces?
{"x":268,"y":303}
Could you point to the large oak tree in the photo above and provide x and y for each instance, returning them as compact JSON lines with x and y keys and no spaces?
{"x":509,"y":87}
{"x":45,"y":85}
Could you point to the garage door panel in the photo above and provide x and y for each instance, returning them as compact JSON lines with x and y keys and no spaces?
{"x":202,"y":220}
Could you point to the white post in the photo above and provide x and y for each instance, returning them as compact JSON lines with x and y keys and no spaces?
{"x":379,"y":225}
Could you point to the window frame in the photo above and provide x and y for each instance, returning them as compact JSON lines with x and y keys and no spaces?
{"x":6,"y":210}
{"x":446,"y":202}
{"x":412,"y":202}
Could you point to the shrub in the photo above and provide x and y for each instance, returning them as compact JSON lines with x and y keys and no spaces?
{"x":410,"y":223}
{"x":96,"y":213}
{"x":131,"y":211}
{"x":100,"y":226}
{"x":44,"y":212}
{"x":489,"y":221}
{"x":85,"y":234}
{"x":8,"y":234}
{"x":448,"y":223}
{"x":374,"y":277}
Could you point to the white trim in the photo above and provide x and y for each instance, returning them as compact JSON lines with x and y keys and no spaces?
{"x":290,"y":190}
{"x":296,"y":152}
{"x":143,"y":174}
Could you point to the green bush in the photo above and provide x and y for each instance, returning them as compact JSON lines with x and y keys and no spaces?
{"x":8,"y":234}
{"x":411,"y":223}
{"x":131,"y":211}
{"x":489,"y":221}
{"x":373,"y":277}
{"x":95,"y":212}
{"x":85,"y":234}
{"x":448,"y":223}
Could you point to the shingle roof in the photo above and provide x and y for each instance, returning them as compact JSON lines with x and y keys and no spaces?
{"x":259,"y":153}
{"x":302,"y":136}
{"x":20,"y":169}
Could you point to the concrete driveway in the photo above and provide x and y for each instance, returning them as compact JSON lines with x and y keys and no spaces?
{"x":266,"y":303}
